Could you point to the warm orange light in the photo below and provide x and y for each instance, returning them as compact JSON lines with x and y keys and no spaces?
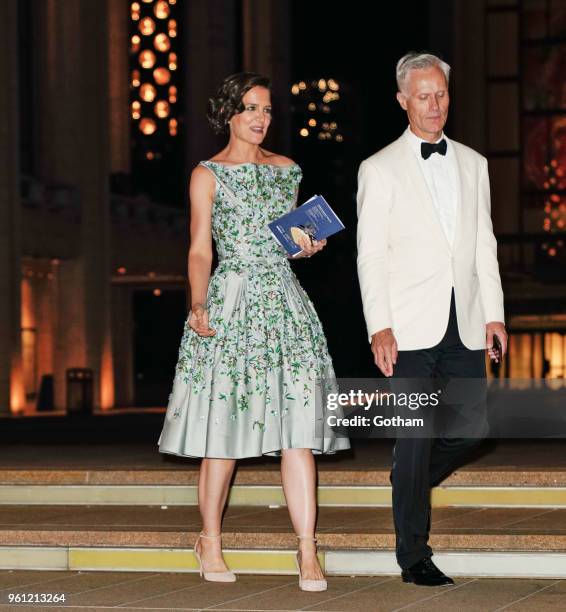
{"x":339,"y":138}
{"x":147,"y":58}
{"x":147,"y":26}
{"x":172,"y":61}
{"x":107,"y":375}
{"x":121,"y":270}
{"x":135,"y":43}
{"x":148,"y":126}
{"x":147,"y":92}
{"x":172,"y":94}
{"x":150,"y":155}
{"x":162,"y":43}
{"x":157,"y":292}
{"x":330,"y":96}
{"x":312,"y":122}
{"x":17,"y":388}
{"x":312,"y":106}
{"x":135,"y":6}
{"x":162,"y":76}
{"x":162,"y":10}
{"x":136,"y":78}
{"x":162,"y":109}
{"x":173,"y":127}
{"x":304,"y":132}
{"x":172,"y":28}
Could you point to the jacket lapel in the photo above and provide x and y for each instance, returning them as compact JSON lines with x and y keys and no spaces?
{"x":416,"y":177}
{"x":463,"y":189}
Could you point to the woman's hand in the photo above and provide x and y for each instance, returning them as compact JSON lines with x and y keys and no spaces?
{"x":198,"y":321}
{"x":309,"y":248}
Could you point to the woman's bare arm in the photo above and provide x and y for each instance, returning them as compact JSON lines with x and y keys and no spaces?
{"x":201,"y":194}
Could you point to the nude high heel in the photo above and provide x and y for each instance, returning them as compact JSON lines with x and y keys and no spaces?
{"x":212,"y":576}
{"x":309,"y":585}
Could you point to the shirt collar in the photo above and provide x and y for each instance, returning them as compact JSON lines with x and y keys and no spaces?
{"x":415,"y":141}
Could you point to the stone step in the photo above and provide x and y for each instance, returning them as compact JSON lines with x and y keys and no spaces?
{"x":508,"y":476}
{"x":487,"y":541}
{"x":262,"y":487}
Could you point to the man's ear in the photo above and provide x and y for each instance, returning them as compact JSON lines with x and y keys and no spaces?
{"x":402,"y":100}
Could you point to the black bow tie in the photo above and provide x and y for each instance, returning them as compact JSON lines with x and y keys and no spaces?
{"x":428,"y":148}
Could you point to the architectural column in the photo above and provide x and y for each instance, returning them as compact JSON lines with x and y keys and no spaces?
{"x":44,"y":302}
{"x":74,"y":148}
{"x":119,"y":86}
{"x":12,"y":395}
{"x":70,"y":325}
{"x":210,"y":29}
{"x":266,"y":32}
{"x":469,"y":82}
{"x":123,"y":344}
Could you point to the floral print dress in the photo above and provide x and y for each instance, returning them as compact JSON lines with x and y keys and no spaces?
{"x":260,"y":384}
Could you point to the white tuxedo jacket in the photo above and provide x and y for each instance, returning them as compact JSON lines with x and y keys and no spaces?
{"x":406,"y":266}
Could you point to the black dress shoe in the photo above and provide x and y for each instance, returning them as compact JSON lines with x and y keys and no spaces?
{"x":425,"y":573}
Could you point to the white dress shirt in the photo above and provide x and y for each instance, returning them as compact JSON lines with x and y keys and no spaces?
{"x":441,"y":176}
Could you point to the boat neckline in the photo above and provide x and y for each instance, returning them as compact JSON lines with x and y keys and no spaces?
{"x":210,"y":161}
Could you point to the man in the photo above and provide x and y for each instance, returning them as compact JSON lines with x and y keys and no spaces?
{"x":429,"y":278}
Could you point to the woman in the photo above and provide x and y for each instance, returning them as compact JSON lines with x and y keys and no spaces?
{"x":253,"y":364}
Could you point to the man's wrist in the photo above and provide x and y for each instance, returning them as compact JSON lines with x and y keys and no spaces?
{"x":382,"y":331}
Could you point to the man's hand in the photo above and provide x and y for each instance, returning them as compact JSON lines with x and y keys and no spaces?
{"x":384,"y":349}
{"x":495,"y":328}
{"x":198,"y":321}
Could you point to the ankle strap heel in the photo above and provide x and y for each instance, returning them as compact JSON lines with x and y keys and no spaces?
{"x":309,"y":585}
{"x":307,"y":538}
{"x":212,"y":576}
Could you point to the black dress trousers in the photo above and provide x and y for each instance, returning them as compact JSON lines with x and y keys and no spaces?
{"x":422,"y":462}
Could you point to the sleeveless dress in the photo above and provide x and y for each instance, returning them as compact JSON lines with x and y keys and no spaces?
{"x":260,"y":384}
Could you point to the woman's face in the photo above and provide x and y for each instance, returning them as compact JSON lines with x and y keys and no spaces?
{"x":252,"y":123}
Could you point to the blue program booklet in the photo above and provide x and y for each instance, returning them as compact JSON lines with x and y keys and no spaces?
{"x":314,"y":218}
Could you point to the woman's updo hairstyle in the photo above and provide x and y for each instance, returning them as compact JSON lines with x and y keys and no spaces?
{"x":228,"y":99}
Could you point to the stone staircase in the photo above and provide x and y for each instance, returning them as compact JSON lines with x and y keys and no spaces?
{"x":503,"y":519}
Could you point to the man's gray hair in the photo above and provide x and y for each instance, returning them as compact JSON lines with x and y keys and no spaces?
{"x":419,"y":61}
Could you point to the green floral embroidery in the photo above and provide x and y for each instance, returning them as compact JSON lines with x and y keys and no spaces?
{"x":265,"y":323}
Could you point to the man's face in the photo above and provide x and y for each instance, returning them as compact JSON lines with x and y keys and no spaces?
{"x":425,"y":98}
